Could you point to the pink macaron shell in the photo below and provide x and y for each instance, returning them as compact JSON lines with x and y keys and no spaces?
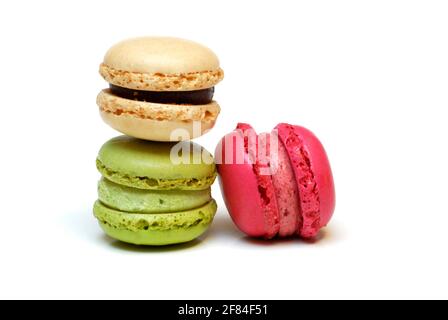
{"x":257,"y":149}
{"x":322,"y":173}
{"x":241,"y":187}
{"x":286,"y":189}
{"x":313,"y":175}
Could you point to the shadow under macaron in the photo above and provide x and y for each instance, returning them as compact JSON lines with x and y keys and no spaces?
{"x":116,"y":244}
{"x":325,"y":236}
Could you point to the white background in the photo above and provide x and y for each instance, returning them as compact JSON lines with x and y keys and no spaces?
{"x":370,"y":78}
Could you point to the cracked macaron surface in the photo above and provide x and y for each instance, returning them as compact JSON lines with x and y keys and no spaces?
{"x":283,"y":187}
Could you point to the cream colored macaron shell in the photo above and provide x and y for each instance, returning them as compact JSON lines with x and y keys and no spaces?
{"x":154,"y":121}
{"x":161,"y":64}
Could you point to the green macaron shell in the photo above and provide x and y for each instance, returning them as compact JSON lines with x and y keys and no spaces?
{"x":150,"y":201}
{"x":149,"y":165}
{"x":155,"y":229}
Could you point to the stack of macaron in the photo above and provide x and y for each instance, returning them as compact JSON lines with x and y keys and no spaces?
{"x":154,"y":189}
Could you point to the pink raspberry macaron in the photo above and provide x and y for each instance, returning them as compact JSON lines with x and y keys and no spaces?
{"x":276,"y":184}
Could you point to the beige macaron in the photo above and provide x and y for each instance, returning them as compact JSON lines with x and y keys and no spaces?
{"x":161,"y":88}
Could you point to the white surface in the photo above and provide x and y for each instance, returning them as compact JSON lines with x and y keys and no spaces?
{"x":370,"y":78}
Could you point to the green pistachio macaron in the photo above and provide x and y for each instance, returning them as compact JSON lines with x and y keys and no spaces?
{"x":135,"y":200}
{"x":155,"y":165}
{"x":155,"y":229}
{"x":154,"y":193}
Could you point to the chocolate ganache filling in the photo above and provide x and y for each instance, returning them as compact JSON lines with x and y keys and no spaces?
{"x":204,"y":96}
